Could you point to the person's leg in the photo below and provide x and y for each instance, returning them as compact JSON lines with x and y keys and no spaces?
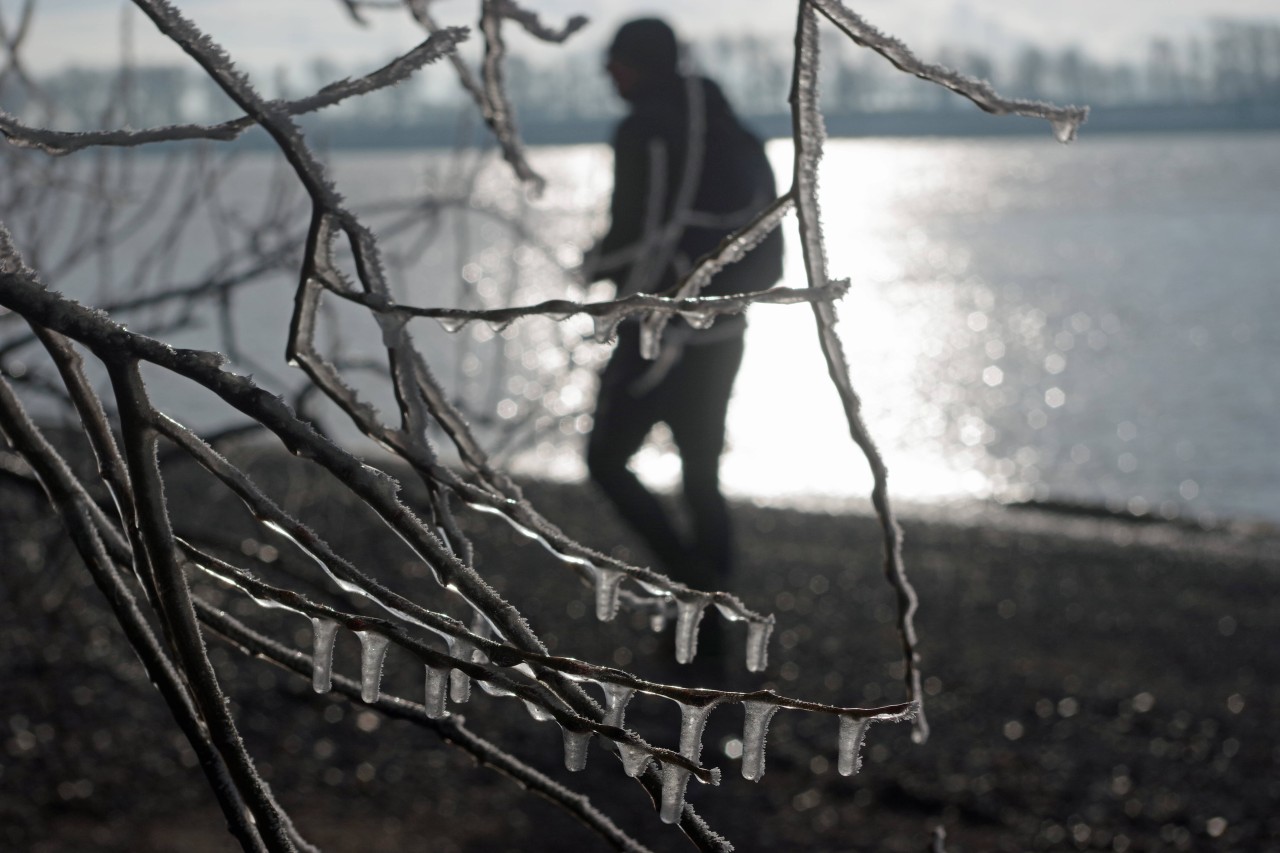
{"x":705,"y":381}
{"x":621,"y":423}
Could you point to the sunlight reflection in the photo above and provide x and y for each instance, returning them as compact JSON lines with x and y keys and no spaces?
{"x":901,"y":332}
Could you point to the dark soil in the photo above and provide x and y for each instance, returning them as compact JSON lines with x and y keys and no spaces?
{"x":1092,"y":684}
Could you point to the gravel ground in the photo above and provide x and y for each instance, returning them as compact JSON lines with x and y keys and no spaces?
{"x":1092,"y":684}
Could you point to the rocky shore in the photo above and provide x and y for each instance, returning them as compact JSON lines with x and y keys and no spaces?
{"x":1091,"y":684}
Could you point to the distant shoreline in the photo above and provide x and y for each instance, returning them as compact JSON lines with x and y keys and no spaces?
{"x":954,"y":122}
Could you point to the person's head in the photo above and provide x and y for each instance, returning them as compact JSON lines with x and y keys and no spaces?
{"x":644,"y":50}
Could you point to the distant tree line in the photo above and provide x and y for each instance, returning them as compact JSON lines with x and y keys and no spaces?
{"x":1230,"y":62}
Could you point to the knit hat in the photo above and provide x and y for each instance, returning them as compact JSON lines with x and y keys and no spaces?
{"x":648,"y":44}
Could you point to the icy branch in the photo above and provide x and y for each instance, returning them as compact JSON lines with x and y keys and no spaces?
{"x":1066,"y":121}
{"x":437,"y":45}
{"x":608,"y":314}
{"x":808,"y":133}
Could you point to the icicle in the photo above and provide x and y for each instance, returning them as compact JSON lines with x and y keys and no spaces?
{"x":324,"y":633}
{"x":459,"y":681}
{"x":634,"y":759}
{"x":754,"y":731}
{"x":575,"y":749}
{"x":616,"y":698}
{"x":658,"y":620}
{"x":650,"y":341}
{"x":536,"y":711}
{"x":758,"y":644}
{"x":607,"y":584}
{"x":674,"y":781}
{"x":453,"y":325}
{"x":688,"y":617}
{"x":1065,"y":127}
{"x":693,"y":719}
{"x":437,"y":683}
{"x":606,"y":326}
{"x":483,"y":628}
{"x":852,"y":732}
{"x":373,"y":648}
{"x":699,"y":319}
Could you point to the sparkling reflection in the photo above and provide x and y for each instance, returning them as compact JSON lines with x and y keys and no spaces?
{"x":1026,"y":322}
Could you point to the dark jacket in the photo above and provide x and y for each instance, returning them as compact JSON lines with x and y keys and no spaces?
{"x":650,"y":242}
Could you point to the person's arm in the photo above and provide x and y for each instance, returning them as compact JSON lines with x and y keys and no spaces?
{"x":614,"y":254}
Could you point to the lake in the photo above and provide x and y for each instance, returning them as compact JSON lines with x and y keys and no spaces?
{"x":1092,"y":323}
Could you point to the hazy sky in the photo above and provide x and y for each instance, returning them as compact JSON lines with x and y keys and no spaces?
{"x":262,"y":34}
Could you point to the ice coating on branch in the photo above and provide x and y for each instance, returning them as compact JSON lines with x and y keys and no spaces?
{"x":634,"y":759}
{"x":607,"y":582}
{"x":324,"y":634}
{"x":575,"y":749}
{"x":1065,"y":120}
{"x":758,"y":644}
{"x":616,"y":697}
{"x":810,"y":135}
{"x":853,"y":730}
{"x":498,"y":112}
{"x":674,"y":781}
{"x":689,"y":612}
{"x":539,"y":714}
{"x":755,"y":729}
{"x":436,"y":690}
{"x":494,"y":689}
{"x":373,"y":649}
{"x":533,"y":24}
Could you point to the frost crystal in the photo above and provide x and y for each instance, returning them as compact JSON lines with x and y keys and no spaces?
{"x":853,"y":730}
{"x":324,"y":633}
{"x":754,"y":731}
{"x":437,"y":683}
{"x":575,"y":749}
{"x":373,"y":649}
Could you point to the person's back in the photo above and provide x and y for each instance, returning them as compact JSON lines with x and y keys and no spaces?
{"x":687,"y":174}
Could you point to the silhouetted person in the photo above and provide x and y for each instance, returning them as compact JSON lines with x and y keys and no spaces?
{"x":686,"y":174}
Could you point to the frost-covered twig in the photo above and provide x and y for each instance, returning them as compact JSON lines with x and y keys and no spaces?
{"x":809,"y":133}
{"x":498,"y":112}
{"x":116,"y":346}
{"x":440,"y":43}
{"x":1066,"y":121}
{"x":533,"y":24}
{"x":609,"y":314}
{"x":75,"y":508}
